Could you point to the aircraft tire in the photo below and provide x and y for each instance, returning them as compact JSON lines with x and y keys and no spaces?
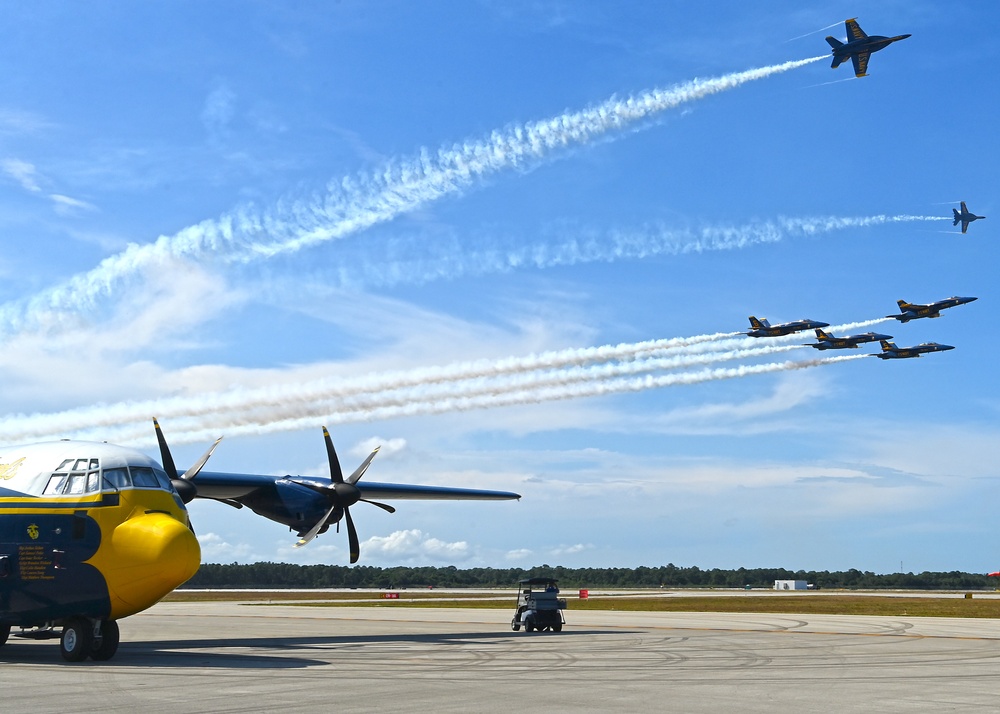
{"x":105,"y":648}
{"x":77,"y":639}
{"x":4,"y":634}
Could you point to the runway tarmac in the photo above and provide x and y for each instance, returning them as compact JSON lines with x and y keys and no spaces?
{"x":225,"y":657}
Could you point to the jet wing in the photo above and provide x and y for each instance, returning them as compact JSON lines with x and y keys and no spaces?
{"x":860,"y":60}
{"x":854,"y":31}
{"x":965,"y":225}
{"x":234,"y":486}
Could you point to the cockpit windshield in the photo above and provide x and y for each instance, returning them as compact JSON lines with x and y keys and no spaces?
{"x":81,"y":476}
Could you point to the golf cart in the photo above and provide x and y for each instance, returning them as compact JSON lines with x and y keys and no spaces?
{"x":538,"y":606}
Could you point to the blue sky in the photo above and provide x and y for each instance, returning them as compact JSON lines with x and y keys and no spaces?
{"x":258,"y":204}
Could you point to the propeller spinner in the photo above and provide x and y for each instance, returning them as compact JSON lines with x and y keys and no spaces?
{"x":342,"y":494}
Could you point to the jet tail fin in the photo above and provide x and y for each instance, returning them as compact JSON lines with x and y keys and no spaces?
{"x":834,"y":42}
{"x":759,"y":324}
{"x":820,"y":335}
{"x":957,"y":217}
{"x":887,"y":346}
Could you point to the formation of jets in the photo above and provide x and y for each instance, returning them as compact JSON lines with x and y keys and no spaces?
{"x":759,"y":327}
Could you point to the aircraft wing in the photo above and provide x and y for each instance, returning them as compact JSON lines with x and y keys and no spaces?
{"x":310,"y":505}
{"x":370,"y":489}
{"x":860,"y":60}
{"x":235,"y":486}
{"x":854,"y":31}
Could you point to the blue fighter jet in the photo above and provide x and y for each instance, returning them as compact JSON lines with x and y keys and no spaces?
{"x":858,"y":47}
{"x":763,"y":328}
{"x":827,"y":341}
{"x":890,"y":351}
{"x":913,"y":311}
{"x":965,"y":217}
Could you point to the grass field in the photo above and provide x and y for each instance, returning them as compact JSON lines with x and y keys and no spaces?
{"x":915,"y":605}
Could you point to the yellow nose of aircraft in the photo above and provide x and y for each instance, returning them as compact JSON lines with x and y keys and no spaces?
{"x":150,"y":555}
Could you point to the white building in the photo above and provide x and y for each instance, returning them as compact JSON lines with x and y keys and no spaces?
{"x":791,"y":585}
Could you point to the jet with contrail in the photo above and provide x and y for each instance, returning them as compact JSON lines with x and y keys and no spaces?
{"x":762,"y":328}
{"x":859,"y":47}
{"x":891,"y":351}
{"x":965,"y":217}
{"x":826,"y":341}
{"x":914,"y":311}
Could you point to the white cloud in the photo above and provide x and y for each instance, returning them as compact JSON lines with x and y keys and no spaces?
{"x":23,"y":172}
{"x":215,"y":549}
{"x":520,"y":554}
{"x":78,"y":362}
{"x":415,"y":546}
{"x":218,"y":112}
{"x":389,"y":447}
{"x":67,"y":206}
{"x":13,"y":122}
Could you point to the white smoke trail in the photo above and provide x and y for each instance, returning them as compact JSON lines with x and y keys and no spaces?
{"x":671,"y":352}
{"x":324,"y":402}
{"x":355,"y":204}
{"x":460,"y":403}
{"x":421,"y":260}
{"x":293,"y":414}
{"x":497,"y":375}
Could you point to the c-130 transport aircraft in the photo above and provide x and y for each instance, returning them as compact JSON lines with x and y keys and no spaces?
{"x":91,"y":532}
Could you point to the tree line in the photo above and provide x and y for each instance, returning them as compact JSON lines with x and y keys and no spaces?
{"x":288,"y":575}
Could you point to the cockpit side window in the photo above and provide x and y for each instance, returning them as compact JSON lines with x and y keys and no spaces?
{"x":74,"y":477}
{"x":56,"y":484}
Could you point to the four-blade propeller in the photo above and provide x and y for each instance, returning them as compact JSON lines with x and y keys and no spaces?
{"x":342,"y":494}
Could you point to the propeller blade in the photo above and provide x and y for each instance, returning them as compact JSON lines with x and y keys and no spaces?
{"x":165,"y":457}
{"x":314,"y":531}
{"x":352,"y":537}
{"x":360,"y":471}
{"x":182,"y":484}
{"x":200,"y":463}
{"x":383,"y":506}
{"x":336,"y":474}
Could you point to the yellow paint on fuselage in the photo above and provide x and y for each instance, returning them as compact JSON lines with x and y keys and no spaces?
{"x":147,"y":549}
